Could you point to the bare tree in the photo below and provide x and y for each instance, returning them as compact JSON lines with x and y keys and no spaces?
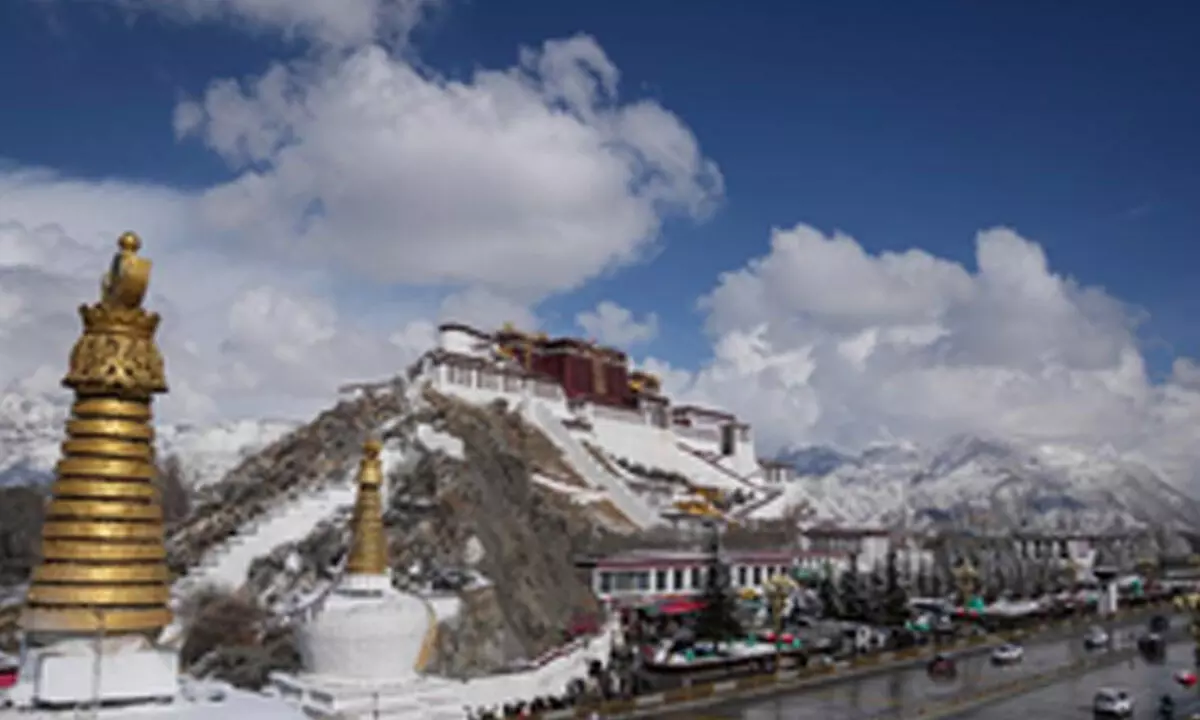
{"x":229,"y":636}
{"x":176,"y":503}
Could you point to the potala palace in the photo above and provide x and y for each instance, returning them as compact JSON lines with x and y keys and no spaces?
{"x":607,"y":419}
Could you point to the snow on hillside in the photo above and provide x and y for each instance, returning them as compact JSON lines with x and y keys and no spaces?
{"x":967,"y":479}
{"x":31,"y":430}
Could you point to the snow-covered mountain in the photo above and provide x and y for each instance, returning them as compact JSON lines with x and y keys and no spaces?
{"x":974,"y":480}
{"x":31,"y":429}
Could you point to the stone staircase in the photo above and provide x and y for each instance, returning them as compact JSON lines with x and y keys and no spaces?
{"x":638,"y":513}
{"x":297,"y":465}
{"x":290,"y":520}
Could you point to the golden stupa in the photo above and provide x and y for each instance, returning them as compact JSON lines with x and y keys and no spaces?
{"x":103,"y":562}
{"x":368,"y":544}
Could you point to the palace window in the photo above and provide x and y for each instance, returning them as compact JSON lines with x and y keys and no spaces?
{"x":678,"y":578}
{"x":758,"y":575}
{"x":660,"y":580}
{"x":606,"y":582}
{"x":742,"y":576}
{"x":488,"y":380}
{"x":460,"y":375}
{"x":696,"y":580}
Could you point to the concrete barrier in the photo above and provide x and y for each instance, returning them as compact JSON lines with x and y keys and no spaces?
{"x":703,"y":694}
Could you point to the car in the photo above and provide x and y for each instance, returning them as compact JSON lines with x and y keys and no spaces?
{"x":1112,"y":702}
{"x":1008,"y":654}
{"x":1096,"y":637}
{"x":1152,"y":647}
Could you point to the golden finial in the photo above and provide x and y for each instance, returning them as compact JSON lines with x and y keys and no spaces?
{"x":103,"y":566}
{"x":368,"y":546}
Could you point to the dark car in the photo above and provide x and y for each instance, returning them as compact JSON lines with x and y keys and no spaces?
{"x":1153,"y":647}
{"x":1160,"y":624}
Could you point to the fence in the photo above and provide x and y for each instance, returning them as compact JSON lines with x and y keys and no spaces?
{"x":702,"y":694}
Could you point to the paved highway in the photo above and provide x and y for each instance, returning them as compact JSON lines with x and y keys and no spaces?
{"x":897,"y":694}
{"x":1072,"y":699}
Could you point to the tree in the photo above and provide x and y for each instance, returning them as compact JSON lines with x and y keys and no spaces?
{"x":831,"y":605}
{"x":895,"y":599}
{"x":717,"y":619}
{"x":875,"y":593}
{"x":850,"y":593}
{"x":170,"y":481}
{"x":937,"y":583}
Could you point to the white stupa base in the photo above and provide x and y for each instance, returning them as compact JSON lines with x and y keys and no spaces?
{"x":365,"y":585}
{"x":115,"y":671}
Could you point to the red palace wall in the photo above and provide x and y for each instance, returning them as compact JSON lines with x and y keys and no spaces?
{"x":575,"y":370}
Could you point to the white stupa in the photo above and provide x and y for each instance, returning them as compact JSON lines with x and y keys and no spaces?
{"x":367,"y":639}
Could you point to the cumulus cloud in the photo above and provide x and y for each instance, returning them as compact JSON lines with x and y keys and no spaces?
{"x":367,"y":199}
{"x":614,"y":325}
{"x":819,"y":341}
{"x":529,"y":180}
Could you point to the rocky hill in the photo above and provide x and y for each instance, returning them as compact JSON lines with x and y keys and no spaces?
{"x":467,"y":518}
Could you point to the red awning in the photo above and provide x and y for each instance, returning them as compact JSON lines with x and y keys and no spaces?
{"x":679,"y":607}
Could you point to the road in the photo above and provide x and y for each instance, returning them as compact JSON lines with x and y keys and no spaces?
{"x":897,"y":694}
{"x":1072,"y":699}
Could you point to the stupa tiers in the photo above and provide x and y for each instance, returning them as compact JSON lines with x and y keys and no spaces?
{"x":366,"y":630}
{"x":103,"y":568}
{"x":368,"y":546}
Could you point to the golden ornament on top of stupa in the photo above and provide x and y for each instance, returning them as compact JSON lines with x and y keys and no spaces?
{"x":103,"y":561}
{"x":368,"y":545}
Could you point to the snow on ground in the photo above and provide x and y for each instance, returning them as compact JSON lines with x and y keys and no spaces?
{"x":289,"y":522}
{"x":197,"y":701}
{"x":438,"y":440}
{"x":445,"y":607}
{"x":207,"y":454}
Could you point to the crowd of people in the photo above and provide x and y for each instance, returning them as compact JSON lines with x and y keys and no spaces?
{"x":611,"y":680}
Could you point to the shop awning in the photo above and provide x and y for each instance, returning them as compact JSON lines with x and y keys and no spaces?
{"x":679,"y":607}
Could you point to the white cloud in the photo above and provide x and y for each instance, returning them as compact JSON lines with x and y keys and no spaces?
{"x":530,"y":180}
{"x":820,"y":341}
{"x":367,"y":199}
{"x":616,"y":326}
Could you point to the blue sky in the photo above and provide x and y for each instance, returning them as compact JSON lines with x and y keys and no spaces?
{"x":904,"y":125}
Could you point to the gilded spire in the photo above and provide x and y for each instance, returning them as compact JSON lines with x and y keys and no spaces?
{"x":103,"y":562}
{"x":368,"y":545}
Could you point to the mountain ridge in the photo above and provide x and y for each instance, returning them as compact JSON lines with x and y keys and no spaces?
{"x":968,"y":478}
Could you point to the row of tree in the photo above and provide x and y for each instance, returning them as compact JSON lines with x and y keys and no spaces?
{"x":879,"y":597}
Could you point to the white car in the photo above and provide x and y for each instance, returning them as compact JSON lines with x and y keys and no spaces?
{"x":1096,"y":638}
{"x":1111,"y":702}
{"x":1008,"y":653}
